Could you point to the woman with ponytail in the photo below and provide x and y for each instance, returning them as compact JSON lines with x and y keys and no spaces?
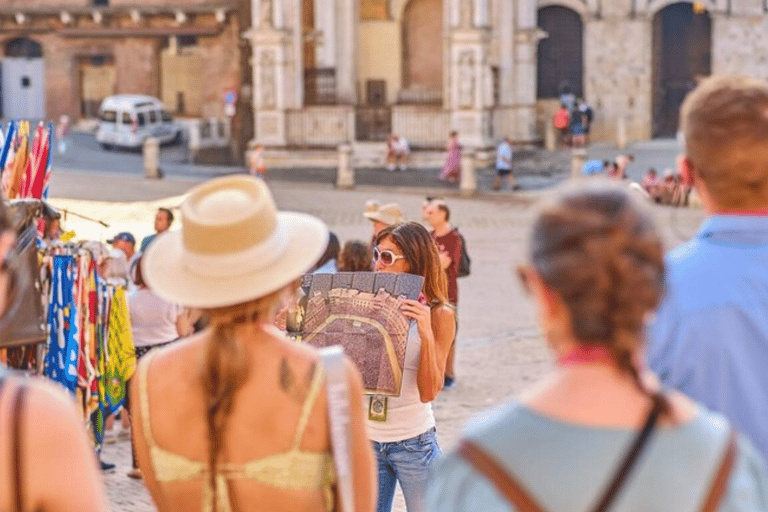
{"x":599,"y":433}
{"x":235,"y":418}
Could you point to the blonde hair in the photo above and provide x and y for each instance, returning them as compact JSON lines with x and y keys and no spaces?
{"x":226,"y":369}
{"x":724,"y":122}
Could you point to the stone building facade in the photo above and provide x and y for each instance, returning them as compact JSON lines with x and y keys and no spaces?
{"x":327,"y":72}
{"x":65,"y":56}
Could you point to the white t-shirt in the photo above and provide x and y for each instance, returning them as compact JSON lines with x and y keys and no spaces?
{"x":153,"y":319}
{"x":504,"y":156}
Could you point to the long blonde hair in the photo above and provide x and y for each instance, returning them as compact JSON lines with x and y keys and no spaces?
{"x":226,"y":370}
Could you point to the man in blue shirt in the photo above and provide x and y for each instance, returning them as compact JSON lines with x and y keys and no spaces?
{"x":504,"y":165}
{"x":710,"y":336}
{"x":163,"y":221}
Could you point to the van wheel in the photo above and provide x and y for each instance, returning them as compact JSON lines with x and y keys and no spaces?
{"x":106,"y":146}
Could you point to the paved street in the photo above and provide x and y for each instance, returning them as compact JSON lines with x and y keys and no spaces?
{"x":499,"y":346}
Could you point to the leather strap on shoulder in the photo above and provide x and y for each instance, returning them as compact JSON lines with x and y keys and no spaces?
{"x":505,"y":484}
{"x":723,"y":476}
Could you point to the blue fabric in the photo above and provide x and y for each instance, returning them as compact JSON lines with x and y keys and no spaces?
{"x":592,"y":167}
{"x":504,"y":156}
{"x":565,"y":467}
{"x":408,"y":462}
{"x":61,"y":359}
{"x":709,"y":338}
{"x":146,"y":241}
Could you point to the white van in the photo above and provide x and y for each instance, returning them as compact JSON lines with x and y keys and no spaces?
{"x":127,"y":120}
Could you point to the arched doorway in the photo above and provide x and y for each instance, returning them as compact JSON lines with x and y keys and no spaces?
{"x":682,"y":55}
{"x":423,"y":50}
{"x":561,"y":53}
{"x":23,"y":80}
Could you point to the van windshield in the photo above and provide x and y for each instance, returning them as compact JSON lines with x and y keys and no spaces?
{"x":108,"y":116}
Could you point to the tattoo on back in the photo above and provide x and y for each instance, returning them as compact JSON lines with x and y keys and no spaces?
{"x":294,"y":387}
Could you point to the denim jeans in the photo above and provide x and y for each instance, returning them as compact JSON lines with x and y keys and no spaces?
{"x":407,"y":462}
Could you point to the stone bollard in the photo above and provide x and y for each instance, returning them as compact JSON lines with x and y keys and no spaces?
{"x":151,"y":153}
{"x":550,"y":136}
{"x":621,"y":133}
{"x":345,"y":176}
{"x":468,"y":183}
{"x":578,"y":159}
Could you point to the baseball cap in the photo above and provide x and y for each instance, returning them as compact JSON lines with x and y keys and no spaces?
{"x":124,"y":236}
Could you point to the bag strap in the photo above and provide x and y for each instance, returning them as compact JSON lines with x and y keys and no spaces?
{"x":723,"y":476}
{"x":632,"y":456}
{"x":517,"y":495}
{"x":339,"y":419}
{"x":19,"y":399}
{"x":505,"y":484}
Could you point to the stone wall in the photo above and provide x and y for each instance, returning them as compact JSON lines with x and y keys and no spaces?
{"x":740,"y":45}
{"x":617,"y":60}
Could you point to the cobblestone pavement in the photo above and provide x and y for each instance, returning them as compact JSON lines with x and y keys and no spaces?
{"x":499,"y":347}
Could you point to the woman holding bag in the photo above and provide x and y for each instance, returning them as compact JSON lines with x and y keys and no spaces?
{"x":599,"y":433}
{"x":235,"y":418}
{"x":403,"y":428}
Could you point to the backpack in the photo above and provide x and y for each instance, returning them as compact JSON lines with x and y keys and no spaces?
{"x":464,"y":262}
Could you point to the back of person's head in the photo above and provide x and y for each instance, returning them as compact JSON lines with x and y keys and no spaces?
{"x":331,"y":251}
{"x":652,"y":171}
{"x":355,"y":257}
{"x":420,"y":252}
{"x":603,"y":256}
{"x":443,"y":207}
{"x":724,"y":122}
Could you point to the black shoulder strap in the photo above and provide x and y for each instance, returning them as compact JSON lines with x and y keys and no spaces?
{"x":625,"y":469}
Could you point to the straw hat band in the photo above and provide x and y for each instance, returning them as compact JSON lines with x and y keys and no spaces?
{"x":238,"y":263}
{"x":227,"y":238}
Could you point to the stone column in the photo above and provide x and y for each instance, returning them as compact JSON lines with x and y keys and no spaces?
{"x":470,"y":76}
{"x":325,"y":26}
{"x":347,"y":20}
{"x":527,"y":36}
{"x":273,"y":77}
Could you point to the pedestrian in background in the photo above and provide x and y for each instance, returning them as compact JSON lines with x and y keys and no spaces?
{"x":599,"y":433}
{"x":452,"y":168}
{"x":504,"y":155}
{"x":404,"y":435}
{"x":382,"y":216}
{"x":236,"y":416}
{"x":356,"y":256}
{"x":448,"y":241}
{"x":163,"y":222}
{"x":709,"y":339}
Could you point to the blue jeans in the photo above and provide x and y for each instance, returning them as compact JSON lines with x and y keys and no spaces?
{"x":408,"y":462}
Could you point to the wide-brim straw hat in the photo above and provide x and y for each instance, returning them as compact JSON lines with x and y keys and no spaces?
{"x":390,"y":214}
{"x":233,"y":246}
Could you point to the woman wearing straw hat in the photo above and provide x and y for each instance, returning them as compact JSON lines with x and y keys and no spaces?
{"x":235,"y":417}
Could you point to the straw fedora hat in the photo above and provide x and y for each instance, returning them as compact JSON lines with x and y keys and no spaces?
{"x":389,"y":214}
{"x":233,"y":246}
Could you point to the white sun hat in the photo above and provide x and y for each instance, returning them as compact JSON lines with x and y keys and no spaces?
{"x":233,"y":246}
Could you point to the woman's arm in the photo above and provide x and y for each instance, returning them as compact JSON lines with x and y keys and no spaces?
{"x":363,"y":468}
{"x":59,"y":472}
{"x":437,"y":327}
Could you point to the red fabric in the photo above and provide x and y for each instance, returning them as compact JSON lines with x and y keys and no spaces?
{"x":450,"y":243}
{"x":585,"y":354}
{"x":561,"y":119}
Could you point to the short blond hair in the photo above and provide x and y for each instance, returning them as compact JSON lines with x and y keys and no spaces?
{"x":724,"y":122}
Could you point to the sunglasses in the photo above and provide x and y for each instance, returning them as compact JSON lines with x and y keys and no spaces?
{"x":387,"y":257}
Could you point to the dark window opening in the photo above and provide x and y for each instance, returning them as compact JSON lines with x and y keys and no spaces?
{"x":109,"y":116}
{"x":25,"y":82}
{"x":152,"y":117}
{"x":140,"y":119}
{"x":560,"y":56}
{"x":167,"y":117}
{"x":127,"y":118}
{"x":23,"y":48}
{"x":101,"y":2}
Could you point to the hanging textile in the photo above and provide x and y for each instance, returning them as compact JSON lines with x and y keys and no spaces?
{"x":20,"y":162}
{"x":61,"y":361}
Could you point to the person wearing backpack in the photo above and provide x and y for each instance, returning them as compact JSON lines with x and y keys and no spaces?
{"x":449,"y":244}
{"x":599,"y":433}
